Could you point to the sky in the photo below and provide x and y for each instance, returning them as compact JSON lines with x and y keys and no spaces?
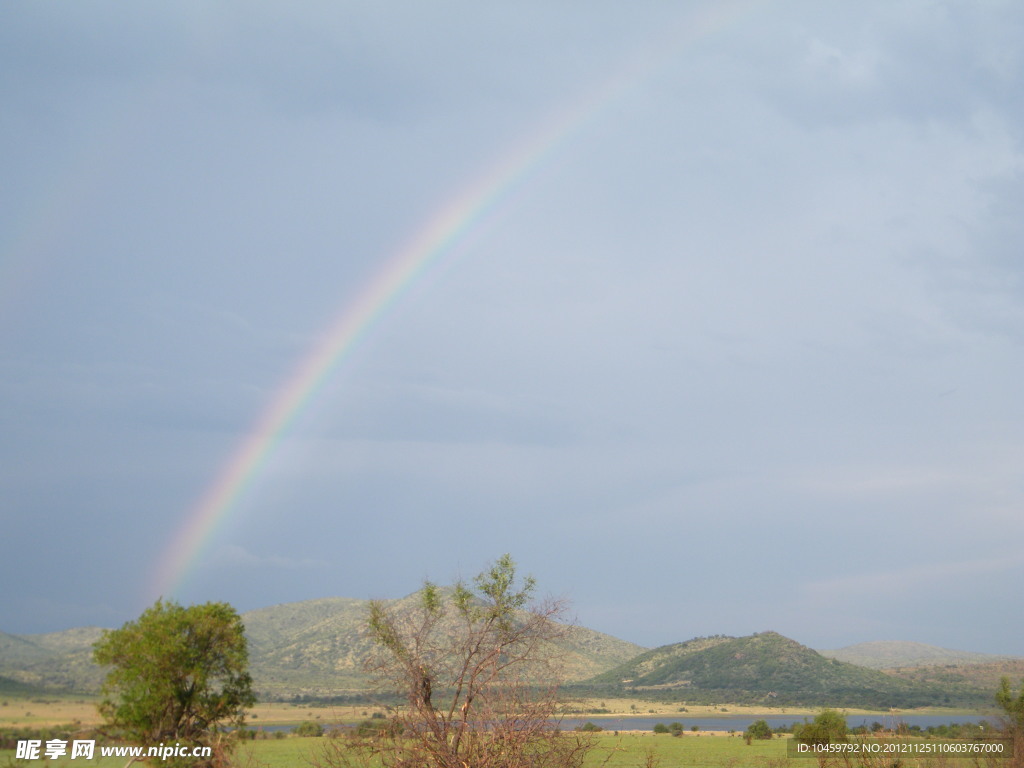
{"x":709,"y":313}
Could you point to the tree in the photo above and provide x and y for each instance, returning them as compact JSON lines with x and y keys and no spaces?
{"x":477,"y":667}
{"x":1013,"y":718}
{"x":178,"y":675}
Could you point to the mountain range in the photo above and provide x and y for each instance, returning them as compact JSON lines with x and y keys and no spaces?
{"x":317,"y":648}
{"x":312,"y":648}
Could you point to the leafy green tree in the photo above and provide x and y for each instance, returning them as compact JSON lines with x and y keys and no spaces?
{"x":660,"y":728}
{"x":177,"y":675}
{"x":676,"y":729}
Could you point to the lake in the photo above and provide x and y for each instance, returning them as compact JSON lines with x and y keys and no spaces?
{"x":720,"y":722}
{"x":742,"y":722}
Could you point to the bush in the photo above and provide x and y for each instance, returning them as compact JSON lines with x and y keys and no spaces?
{"x":827,"y":727}
{"x":758,"y":729}
{"x":309,"y":728}
{"x":660,"y":728}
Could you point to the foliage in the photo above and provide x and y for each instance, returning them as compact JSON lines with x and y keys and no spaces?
{"x":676,"y":729}
{"x":1013,"y":718}
{"x":477,"y":668}
{"x":177,"y":675}
{"x":759,"y":729}
{"x":827,"y":727}
{"x":1013,"y":707}
{"x":309,"y":728}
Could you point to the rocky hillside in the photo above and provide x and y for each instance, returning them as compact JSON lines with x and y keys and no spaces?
{"x":766,"y":668}
{"x":314,"y":647}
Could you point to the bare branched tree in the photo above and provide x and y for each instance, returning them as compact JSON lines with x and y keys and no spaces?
{"x":478,"y":668}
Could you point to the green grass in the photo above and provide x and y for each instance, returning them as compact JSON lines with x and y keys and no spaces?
{"x":626,"y":750}
{"x":623,"y":751}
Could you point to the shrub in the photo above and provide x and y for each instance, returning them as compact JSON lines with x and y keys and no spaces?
{"x":828,"y":726}
{"x":309,"y":728}
{"x":758,"y":729}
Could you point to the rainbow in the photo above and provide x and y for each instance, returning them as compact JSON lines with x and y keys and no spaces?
{"x":439,"y":236}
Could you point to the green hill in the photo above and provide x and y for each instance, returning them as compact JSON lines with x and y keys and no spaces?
{"x":770,"y":669}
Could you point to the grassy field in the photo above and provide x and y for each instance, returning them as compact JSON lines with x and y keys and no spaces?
{"x":39,"y":712}
{"x":614,"y":751}
{"x":627,"y":750}
{"x":622,"y":751}
{"x":54,"y":710}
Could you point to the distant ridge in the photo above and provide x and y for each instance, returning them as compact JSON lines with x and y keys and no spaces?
{"x":317,"y":648}
{"x":313,"y":647}
{"x":892,"y":654}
